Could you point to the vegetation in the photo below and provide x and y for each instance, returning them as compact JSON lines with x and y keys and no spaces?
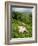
{"x":17,"y":20}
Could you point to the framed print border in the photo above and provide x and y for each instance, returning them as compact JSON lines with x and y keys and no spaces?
{"x":8,"y":21}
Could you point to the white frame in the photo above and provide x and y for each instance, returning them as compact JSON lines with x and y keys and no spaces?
{"x":8,"y":23}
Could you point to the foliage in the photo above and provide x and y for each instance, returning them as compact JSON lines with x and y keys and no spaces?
{"x":17,"y":20}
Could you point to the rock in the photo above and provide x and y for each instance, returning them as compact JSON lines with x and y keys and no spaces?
{"x":22,"y":29}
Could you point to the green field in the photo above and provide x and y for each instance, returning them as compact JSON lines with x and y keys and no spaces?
{"x":17,"y":20}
